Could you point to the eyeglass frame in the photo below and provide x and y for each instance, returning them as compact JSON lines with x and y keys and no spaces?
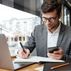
{"x":51,"y":19}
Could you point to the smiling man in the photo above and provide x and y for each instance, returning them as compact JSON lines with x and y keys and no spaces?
{"x":51,"y":33}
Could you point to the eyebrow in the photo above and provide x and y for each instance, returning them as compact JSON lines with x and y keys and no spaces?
{"x":49,"y":17}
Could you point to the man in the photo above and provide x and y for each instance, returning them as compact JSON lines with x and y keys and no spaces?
{"x":49,"y":34}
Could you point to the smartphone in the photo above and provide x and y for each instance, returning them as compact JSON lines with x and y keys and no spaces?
{"x":52,"y":49}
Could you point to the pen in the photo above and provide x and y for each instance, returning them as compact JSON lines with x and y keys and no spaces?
{"x":58,"y":66}
{"x":22,"y":47}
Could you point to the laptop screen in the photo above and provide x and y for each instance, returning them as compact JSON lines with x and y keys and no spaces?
{"x":5,"y":57}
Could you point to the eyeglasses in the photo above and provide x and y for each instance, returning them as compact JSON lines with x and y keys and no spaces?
{"x":51,"y":19}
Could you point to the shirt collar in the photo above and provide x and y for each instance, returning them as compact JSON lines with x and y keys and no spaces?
{"x":57,"y":30}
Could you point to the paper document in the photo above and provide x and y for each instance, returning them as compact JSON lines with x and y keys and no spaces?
{"x":37,"y":59}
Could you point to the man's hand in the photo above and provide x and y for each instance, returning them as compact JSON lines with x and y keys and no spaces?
{"x":23,"y":54}
{"x":56,"y":54}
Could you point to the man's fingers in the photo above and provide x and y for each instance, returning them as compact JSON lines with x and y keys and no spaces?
{"x":23,"y":54}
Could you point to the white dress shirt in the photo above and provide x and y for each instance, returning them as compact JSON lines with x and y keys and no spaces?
{"x":52,"y":38}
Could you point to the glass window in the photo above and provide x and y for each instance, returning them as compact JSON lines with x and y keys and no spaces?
{"x":18,"y":18}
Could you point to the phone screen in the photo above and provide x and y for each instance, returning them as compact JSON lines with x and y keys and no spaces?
{"x":52,"y":49}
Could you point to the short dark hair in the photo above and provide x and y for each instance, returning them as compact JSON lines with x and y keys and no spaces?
{"x":51,"y":6}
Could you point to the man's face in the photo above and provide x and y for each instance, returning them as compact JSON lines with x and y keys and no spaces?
{"x":50,"y":20}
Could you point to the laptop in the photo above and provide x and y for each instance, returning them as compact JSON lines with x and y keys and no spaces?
{"x":5,"y":57}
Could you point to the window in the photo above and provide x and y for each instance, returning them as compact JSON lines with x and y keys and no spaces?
{"x":17,"y":22}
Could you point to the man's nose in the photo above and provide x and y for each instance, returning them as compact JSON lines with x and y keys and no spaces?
{"x":48,"y":22}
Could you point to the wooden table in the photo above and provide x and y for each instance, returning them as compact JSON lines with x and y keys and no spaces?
{"x":28,"y":68}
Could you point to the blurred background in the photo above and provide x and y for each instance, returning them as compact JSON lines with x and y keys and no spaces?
{"x":19,"y":17}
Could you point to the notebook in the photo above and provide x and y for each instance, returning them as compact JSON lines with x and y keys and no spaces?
{"x":5,"y":57}
{"x":37,"y":59}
